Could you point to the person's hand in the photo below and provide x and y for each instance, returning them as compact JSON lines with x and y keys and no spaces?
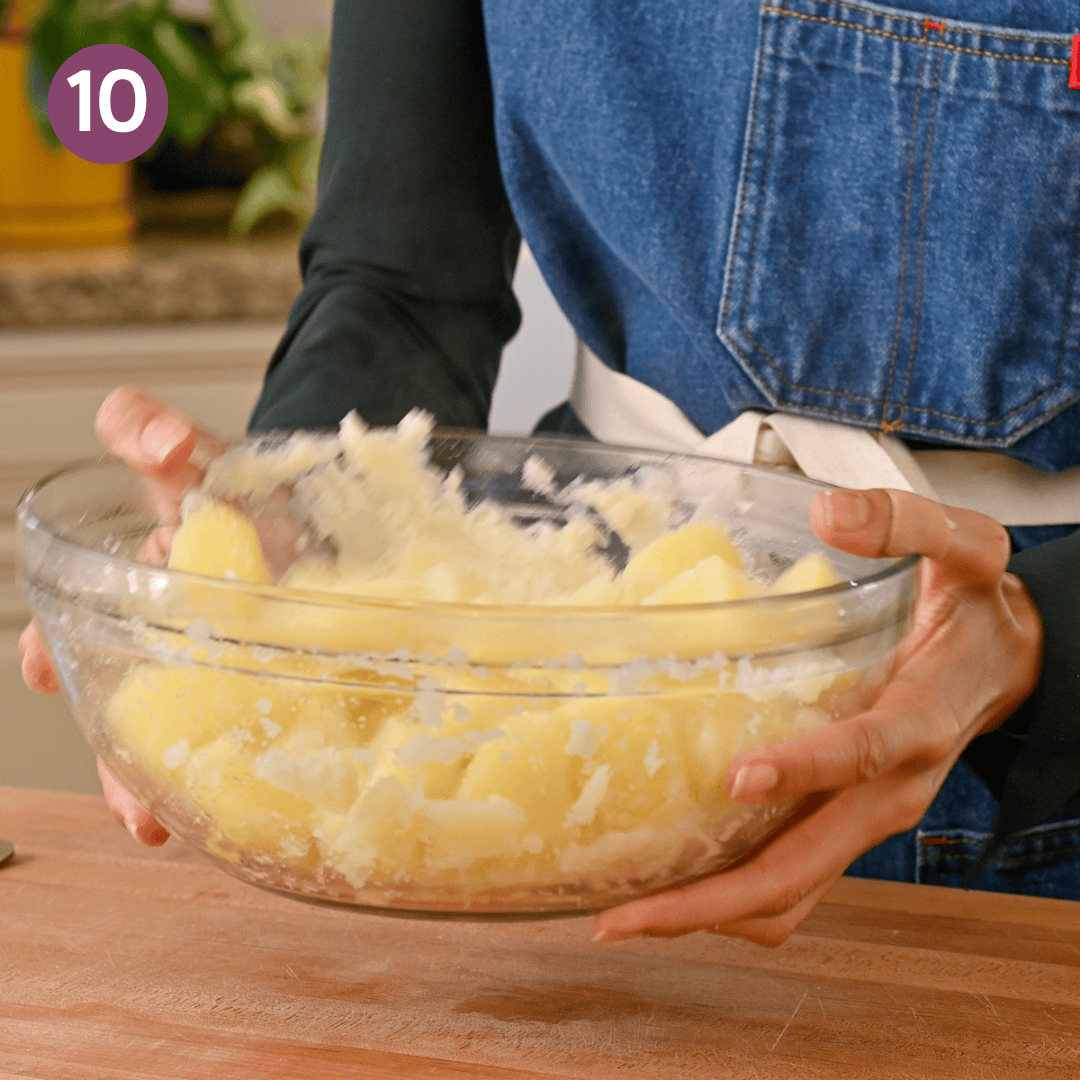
{"x":971,"y":657}
{"x":159,"y":443}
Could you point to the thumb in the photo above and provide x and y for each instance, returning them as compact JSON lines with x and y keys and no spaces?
{"x":886,"y":523}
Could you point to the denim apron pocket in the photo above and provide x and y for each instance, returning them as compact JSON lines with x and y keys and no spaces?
{"x":903,"y":253}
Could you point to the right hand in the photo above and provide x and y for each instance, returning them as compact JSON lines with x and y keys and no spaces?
{"x":157,"y":442}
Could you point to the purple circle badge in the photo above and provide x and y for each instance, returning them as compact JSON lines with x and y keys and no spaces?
{"x":108,"y":104}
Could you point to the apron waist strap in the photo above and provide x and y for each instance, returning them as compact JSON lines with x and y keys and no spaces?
{"x":619,"y":409}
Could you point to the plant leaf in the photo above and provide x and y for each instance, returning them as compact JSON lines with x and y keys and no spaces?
{"x":268,"y":190}
{"x":236,"y":20}
{"x":265,"y":99}
{"x":197,"y":95}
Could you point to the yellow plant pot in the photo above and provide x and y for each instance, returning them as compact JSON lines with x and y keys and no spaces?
{"x":51,"y":198}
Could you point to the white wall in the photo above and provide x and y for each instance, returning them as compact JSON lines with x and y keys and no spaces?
{"x":538,"y":365}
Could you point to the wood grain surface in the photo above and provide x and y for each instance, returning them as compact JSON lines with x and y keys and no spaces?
{"x":118,"y":963}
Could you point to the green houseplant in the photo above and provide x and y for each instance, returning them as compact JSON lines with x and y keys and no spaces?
{"x":226,"y":70}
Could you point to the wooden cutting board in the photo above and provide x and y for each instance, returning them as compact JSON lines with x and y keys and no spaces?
{"x":118,"y":963}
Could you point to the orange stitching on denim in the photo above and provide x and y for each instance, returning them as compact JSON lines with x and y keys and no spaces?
{"x":1032,"y":850}
{"x":968,"y":420}
{"x":748,"y":287}
{"x":1034,"y":859}
{"x":897,"y":424}
{"x":916,"y":40}
{"x":1070,"y":313}
{"x":988,"y":31}
{"x":791,"y":384}
{"x":762,"y":187}
{"x":886,"y":425}
{"x":902,"y":290}
{"x":956,"y":439}
{"x":800,"y":408}
{"x":799,"y":386}
{"x":729,"y":287}
{"x":922,"y":237}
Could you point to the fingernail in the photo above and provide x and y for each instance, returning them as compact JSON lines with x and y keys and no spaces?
{"x":754,"y":782}
{"x":42,"y":677}
{"x":162,"y":436}
{"x":137,"y":827}
{"x":846,"y":510}
{"x":604,"y":937}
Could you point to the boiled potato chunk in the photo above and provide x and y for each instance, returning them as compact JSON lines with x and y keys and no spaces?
{"x":529,"y":765}
{"x":378,"y":834}
{"x":459,"y":832}
{"x":480,"y":750}
{"x":711,"y":581}
{"x":253,"y":753}
{"x":157,"y":708}
{"x":812,"y":571}
{"x":219,"y":541}
{"x":676,"y":552}
{"x":423,"y":760}
{"x":682,"y":550}
{"x":245,"y":810}
{"x":641,"y":745}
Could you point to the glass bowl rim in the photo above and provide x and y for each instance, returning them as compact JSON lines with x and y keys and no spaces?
{"x":29,"y":520}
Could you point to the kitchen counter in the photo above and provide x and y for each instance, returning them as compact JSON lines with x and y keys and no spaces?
{"x":159,"y":280}
{"x":120,"y":962}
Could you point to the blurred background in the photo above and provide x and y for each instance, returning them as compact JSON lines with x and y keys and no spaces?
{"x":175,"y":271}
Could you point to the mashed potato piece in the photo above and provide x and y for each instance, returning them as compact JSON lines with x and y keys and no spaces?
{"x":477,"y":769}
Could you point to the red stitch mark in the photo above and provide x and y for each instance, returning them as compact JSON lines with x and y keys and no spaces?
{"x":1074,"y":64}
{"x":934,"y":841}
{"x":929,"y":25}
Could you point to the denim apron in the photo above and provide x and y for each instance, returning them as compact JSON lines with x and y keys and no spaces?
{"x":844,"y":211}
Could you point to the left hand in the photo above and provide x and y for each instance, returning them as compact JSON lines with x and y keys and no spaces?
{"x":158,"y":442}
{"x":971,"y":657}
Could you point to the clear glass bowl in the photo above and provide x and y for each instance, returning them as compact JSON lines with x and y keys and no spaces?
{"x":443,"y":758}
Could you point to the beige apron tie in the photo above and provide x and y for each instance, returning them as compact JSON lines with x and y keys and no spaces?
{"x":619,"y":409}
